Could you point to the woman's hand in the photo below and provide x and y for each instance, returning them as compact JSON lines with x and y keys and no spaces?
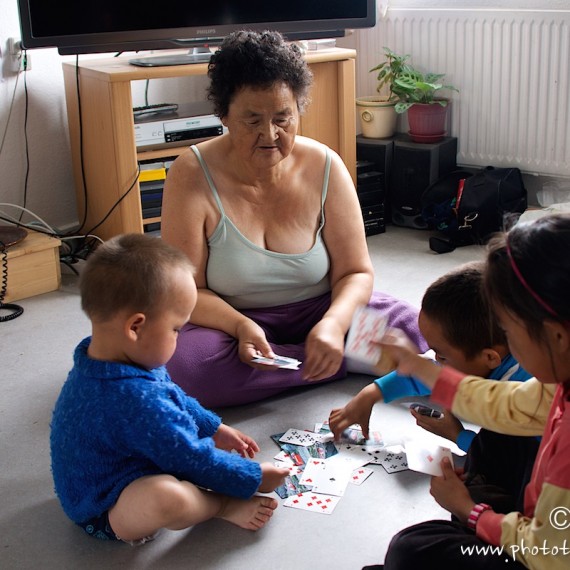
{"x":447,"y":426}
{"x":251,"y":343}
{"x":324,"y":350}
{"x":229,"y":438}
{"x":451,"y":493}
{"x":357,"y":411}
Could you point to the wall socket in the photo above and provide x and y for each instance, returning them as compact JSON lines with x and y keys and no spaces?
{"x":19,"y":59}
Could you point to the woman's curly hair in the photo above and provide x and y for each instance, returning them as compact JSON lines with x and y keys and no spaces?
{"x":259,"y":60}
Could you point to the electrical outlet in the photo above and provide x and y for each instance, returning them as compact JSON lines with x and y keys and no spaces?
{"x":19,"y":59}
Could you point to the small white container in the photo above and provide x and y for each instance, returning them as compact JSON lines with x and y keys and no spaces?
{"x":377,"y":116}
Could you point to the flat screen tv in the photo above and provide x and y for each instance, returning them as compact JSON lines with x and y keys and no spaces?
{"x":100,"y":26}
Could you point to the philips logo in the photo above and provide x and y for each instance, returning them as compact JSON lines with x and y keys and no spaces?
{"x":206,"y":31}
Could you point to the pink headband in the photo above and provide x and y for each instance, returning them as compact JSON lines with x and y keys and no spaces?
{"x":524,"y":283}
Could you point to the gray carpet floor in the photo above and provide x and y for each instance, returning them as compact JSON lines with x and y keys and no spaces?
{"x":36,"y":351}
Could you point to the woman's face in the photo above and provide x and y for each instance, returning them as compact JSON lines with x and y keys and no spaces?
{"x":263,"y":123}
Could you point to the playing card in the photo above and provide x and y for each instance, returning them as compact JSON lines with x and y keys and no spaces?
{"x":393,"y":459}
{"x":358,"y":476}
{"x":296,"y":470}
{"x":279,"y":361}
{"x":297,"y":453}
{"x":312,"y":467}
{"x":360,"y":451}
{"x":367,"y":325}
{"x":291,"y":486}
{"x":333,"y":478}
{"x":321,"y":449}
{"x":314,"y":502}
{"x":298,"y":437}
{"x":351,"y":435}
{"x":284,"y":457}
{"x":425,"y":457}
{"x":350,"y":454}
{"x":374,"y":441}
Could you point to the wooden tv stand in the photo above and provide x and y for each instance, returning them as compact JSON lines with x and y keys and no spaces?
{"x":107,"y":142}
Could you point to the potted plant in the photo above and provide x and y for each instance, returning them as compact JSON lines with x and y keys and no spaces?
{"x":377,"y":112}
{"x":418,"y":95}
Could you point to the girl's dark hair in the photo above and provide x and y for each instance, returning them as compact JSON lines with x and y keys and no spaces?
{"x":540,"y":252}
{"x":456,"y":302}
{"x":129,"y":271}
{"x":256,"y":59}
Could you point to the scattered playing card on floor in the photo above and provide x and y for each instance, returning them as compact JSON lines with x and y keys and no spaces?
{"x":312,"y":467}
{"x":293,"y":469}
{"x":360,"y":451}
{"x":351,"y":455}
{"x":426,"y":457}
{"x":298,"y":437}
{"x":291,"y":486}
{"x":393,"y":459}
{"x":315,"y":502}
{"x":358,"y":476}
{"x":375,"y":441}
{"x":284,"y":457}
{"x":351,"y":435}
{"x":333,"y":478}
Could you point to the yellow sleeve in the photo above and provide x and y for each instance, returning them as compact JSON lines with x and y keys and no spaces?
{"x":514,"y":408}
{"x":543,"y":542}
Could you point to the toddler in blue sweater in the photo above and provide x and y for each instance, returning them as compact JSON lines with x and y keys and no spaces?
{"x":131,"y":452}
{"x":458,"y":326}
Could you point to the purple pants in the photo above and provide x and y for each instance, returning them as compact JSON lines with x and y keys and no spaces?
{"x":206,"y":363}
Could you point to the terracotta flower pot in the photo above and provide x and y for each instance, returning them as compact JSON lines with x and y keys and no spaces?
{"x":377,"y":116}
{"x":427,"y":122}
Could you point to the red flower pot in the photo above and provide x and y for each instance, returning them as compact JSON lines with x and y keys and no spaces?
{"x":427,"y":122}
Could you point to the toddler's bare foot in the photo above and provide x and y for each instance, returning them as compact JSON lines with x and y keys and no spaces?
{"x":251,"y":514}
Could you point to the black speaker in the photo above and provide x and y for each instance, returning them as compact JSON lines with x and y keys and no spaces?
{"x":375,"y":155}
{"x":378,"y":151}
{"x":415,"y":166}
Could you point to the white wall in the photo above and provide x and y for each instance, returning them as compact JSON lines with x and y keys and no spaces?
{"x":50,"y":186}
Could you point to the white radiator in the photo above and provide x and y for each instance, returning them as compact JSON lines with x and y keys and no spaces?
{"x":513,"y":72}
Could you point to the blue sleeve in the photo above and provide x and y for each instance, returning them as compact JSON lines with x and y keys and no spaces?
{"x":173,"y":443}
{"x":465,"y":438}
{"x":207,"y":421}
{"x":394,"y":386}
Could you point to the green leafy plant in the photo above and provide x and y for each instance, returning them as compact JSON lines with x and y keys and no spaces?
{"x":411,"y":86}
{"x":389,"y":71}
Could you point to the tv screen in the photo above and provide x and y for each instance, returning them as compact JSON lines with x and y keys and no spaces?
{"x":123,"y":25}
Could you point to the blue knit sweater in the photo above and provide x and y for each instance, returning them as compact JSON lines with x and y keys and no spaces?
{"x":114,"y":423}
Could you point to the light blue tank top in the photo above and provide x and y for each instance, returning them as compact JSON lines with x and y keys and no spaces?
{"x":248,"y":276}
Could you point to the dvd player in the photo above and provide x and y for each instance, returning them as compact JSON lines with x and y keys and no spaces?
{"x":190,"y":123}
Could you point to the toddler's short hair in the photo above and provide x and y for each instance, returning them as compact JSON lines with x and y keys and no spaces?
{"x":458,"y":303}
{"x":129,"y":272}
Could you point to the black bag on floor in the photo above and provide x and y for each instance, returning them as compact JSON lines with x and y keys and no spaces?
{"x":467,"y":208}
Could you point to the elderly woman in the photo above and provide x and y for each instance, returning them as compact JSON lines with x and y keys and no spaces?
{"x":272,"y":223}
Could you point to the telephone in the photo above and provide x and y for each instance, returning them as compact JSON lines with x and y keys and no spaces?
{"x":9,"y":236}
